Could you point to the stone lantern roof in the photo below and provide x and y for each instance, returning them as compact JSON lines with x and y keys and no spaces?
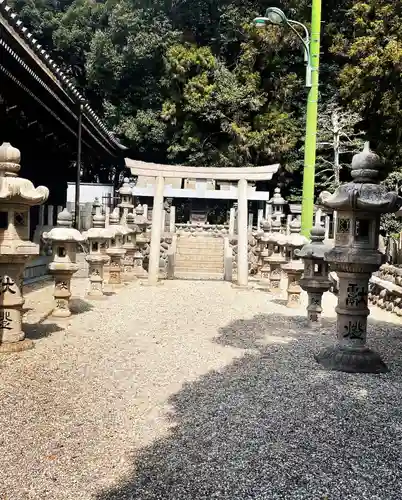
{"x":115,"y":227}
{"x":276,"y":236}
{"x":125,"y":189}
{"x":316,"y":248}
{"x":64,"y":230}
{"x":295,"y":239}
{"x":364,"y":192}
{"x":277,"y":198}
{"x":16,"y":190}
{"x":140,"y":220}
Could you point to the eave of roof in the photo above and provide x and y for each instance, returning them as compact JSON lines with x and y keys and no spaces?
{"x":45,"y":65}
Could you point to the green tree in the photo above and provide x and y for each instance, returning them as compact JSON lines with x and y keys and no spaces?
{"x":370,"y":80}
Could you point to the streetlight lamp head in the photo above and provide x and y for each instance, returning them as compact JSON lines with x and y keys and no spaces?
{"x":276,"y":16}
{"x":260,"y":22}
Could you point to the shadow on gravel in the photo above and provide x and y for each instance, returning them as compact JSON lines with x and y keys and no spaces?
{"x":78,"y":306}
{"x":280,"y":302}
{"x":38,"y":331}
{"x":274,"y":425}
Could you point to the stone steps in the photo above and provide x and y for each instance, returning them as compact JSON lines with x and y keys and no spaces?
{"x":195,"y":266}
{"x":201,"y":276}
{"x":199,"y":258}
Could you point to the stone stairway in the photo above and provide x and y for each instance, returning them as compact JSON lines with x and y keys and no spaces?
{"x":200,"y":258}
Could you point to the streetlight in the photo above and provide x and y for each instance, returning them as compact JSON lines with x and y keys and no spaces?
{"x":274,"y":15}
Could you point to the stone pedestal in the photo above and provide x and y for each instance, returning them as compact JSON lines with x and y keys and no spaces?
{"x":265,"y":281}
{"x":17,"y":196}
{"x":355,"y":256}
{"x":116,"y":258}
{"x":62,"y":290}
{"x":96,"y":263}
{"x":12,"y":337}
{"x":294,"y":271}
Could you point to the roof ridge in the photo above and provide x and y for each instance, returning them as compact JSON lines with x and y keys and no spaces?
{"x":45,"y":58}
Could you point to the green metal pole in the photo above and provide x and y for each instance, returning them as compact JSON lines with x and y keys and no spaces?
{"x":311,"y":123}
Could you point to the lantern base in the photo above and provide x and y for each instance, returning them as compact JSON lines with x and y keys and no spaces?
{"x":10,"y":347}
{"x":351,"y":360}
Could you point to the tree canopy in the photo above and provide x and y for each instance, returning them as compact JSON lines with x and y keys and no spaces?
{"x":195,"y":82}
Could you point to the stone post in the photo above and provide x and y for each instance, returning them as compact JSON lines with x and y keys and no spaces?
{"x":64,"y":239}
{"x":327,"y":223}
{"x":232,"y":220}
{"x":265,"y":283}
{"x":242,"y":237}
{"x":354,"y":258}
{"x":116,"y":251}
{"x":250,"y":222}
{"x":288,"y":222}
{"x":145,"y":207}
{"x":294,"y":267}
{"x":50,"y":215}
{"x":17,"y":196}
{"x":172,"y":220}
{"x":318,"y":216}
{"x":260,"y":217}
{"x":156,"y":230}
{"x":315,"y":279}
{"x":41,"y":221}
{"x":268,"y":210}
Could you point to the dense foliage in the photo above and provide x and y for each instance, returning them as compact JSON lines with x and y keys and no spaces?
{"x":195,"y":82}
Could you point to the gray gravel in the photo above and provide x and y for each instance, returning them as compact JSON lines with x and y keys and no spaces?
{"x":197,"y":391}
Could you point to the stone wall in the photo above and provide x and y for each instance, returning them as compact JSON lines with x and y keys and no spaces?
{"x":166,"y":242}
{"x":252,"y":255}
{"x":201,"y":229}
{"x":385,"y":289}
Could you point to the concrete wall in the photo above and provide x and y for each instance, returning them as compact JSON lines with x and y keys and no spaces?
{"x":88,"y":192}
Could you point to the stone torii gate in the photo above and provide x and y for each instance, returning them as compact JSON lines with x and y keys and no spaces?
{"x":163,"y":172}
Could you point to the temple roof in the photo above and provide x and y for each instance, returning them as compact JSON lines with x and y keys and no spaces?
{"x":28,"y":68}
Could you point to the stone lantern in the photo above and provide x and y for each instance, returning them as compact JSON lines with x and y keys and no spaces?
{"x":17,"y":196}
{"x":130,"y":247}
{"x":354,"y":258}
{"x":142,"y":224}
{"x":278,"y":205}
{"x":267,"y":246}
{"x":277,"y":242}
{"x":126,"y":200}
{"x":116,"y":251}
{"x":98,"y":238}
{"x":315,"y":280}
{"x":294,"y":267}
{"x":64,"y":240}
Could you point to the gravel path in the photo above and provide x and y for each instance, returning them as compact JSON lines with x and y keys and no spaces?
{"x":191,"y":391}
